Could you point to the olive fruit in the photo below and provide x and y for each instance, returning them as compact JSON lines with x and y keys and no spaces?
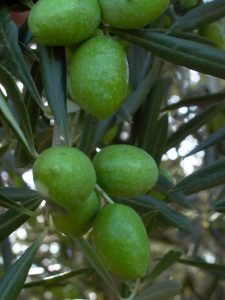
{"x":64,"y":175}
{"x":131,"y":14}
{"x":64,"y":22}
{"x":121,"y":241}
{"x":99,"y":76}
{"x":124,"y":170}
{"x":214,"y":32}
{"x":77,"y":221}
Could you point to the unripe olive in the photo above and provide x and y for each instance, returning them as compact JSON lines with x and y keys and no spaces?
{"x":64,"y":175}
{"x":214,"y":32}
{"x":64,"y":22}
{"x":99,"y":76}
{"x":121,"y":241}
{"x":131,"y":14}
{"x":124,"y":170}
{"x":77,"y":221}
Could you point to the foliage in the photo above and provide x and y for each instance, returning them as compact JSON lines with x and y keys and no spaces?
{"x":177,"y":94}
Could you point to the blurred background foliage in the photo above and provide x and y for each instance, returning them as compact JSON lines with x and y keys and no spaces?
{"x":175,"y":110}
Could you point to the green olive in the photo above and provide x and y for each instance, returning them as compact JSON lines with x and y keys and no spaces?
{"x":121,"y":241}
{"x":124,"y":170}
{"x":99,"y":76}
{"x":64,"y":22}
{"x":64,"y":175}
{"x":131,"y":14}
{"x":77,"y":221}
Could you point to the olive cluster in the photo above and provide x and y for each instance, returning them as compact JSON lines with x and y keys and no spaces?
{"x":99,"y":69}
{"x":69,"y":181}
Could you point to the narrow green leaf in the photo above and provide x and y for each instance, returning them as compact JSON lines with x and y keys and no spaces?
{"x":161,"y":291}
{"x":218,"y":206}
{"x":183,"y":52}
{"x":211,"y":140}
{"x":7,"y":254}
{"x":174,"y":218}
{"x":88,"y":133}
{"x":214,"y":98}
{"x":12,"y":282}
{"x":206,"y":177}
{"x":53,"y":70}
{"x":8,"y":117}
{"x":150,"y":114}
{"x":11,"y":220}
{"x":164,"y":186}
{"x":95,"y":261}
{"x":165,"y":262}
{"x":58,"y":278}
{"x":18,"y":194}
{"x":191,"y":126}
{"x":11,"y":55}
{"x":16,"y":97}
{"x":8,"y":203}
{"x":220,"y":268}
{"x":137,"y":98}
{"x":201,"y":15}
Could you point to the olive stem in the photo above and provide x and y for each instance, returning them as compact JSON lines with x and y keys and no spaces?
{"x":103,"y":194}
{"x":134,"y":292}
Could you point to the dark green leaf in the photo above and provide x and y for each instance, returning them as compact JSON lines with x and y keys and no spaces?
{"x":201,"y":15}
{"x":220,"y":268}
{"x":205,"y":178}
{"x":11,"y":55}
{"x":161,"y":291}
{"x":174,"y":218}
{"x":9,"y":119}
{"x":13,"y":281}
{"x":165,"y":262}
{"x":191,"y":126}
{"x":211,"y":140}
{"x":164,"y":186}
{"x":53,"y":70}
{"x":18,"y":194}
{"x":179,"y":51}
{"x":198,"y":101}
{"x":16,"y":97}
{"x":94,"y":260}
{"x":8,"y":203}
{"x":88,"y":133}
{"x":58,"y":278}
{"x":219,"y":206}
{"x":11,"y":220}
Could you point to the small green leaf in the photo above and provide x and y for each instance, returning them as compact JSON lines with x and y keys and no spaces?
{"x":18,"y":194}
{"x":11,"y":220}
{"x":183,"y":52}
{"x":161,"y":291}
{"x":9,"y":119}
{"x":219,"y":268}
{"x":8,"y":203}
{"x":16,"y":97}
{"x":214,"y":98}
{"x":201,"y":15}
{"x":53,"y":71}
{"x":11,"y":55}
{"x":191,"y":126}
{"x":12,"y":282}
{"x":211,"y":140}
{"x":88,"y":133}
{"x":206,"y":177}
{"x":174,"y":218}
{"x":97,"y":264}
{"x":58,"y":278}
{"x":165,"y":262}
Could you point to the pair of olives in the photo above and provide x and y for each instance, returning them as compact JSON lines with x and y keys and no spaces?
{"x":99,"y":69}
{"x":67,"y":178}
